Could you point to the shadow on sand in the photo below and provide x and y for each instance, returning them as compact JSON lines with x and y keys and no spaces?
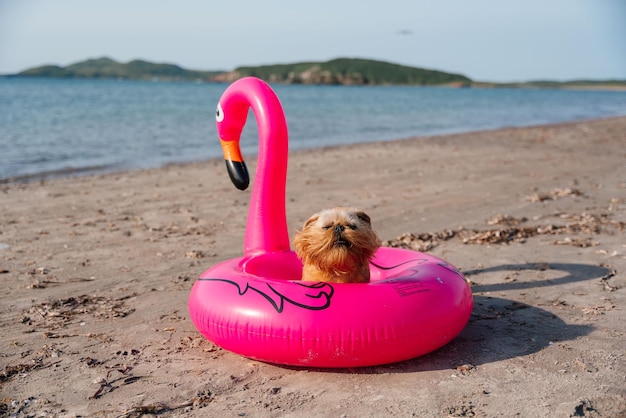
{"x":501,"y":329}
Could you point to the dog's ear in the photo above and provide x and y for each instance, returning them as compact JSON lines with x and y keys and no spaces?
{"x":311,"y":221}
{"x":364,"y":217}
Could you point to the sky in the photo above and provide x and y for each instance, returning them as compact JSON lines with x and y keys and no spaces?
{"x":486,"y":40}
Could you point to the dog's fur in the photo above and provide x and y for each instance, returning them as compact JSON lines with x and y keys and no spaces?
{"x":336,"y":245}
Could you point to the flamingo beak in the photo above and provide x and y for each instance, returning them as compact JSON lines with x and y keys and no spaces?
{"x":235,"y":164}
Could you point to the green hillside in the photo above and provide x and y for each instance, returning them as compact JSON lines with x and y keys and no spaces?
{"x":347,"y":71}
{"x":108,"y":68}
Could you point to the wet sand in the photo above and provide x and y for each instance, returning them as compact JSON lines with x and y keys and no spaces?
{"x":96,"y":272}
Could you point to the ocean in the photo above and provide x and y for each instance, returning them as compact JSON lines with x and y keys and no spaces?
{"x":57,"y":127}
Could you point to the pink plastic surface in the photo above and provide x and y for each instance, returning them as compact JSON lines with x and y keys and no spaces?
{"x":258,"y":307}
{"x":266,"y":230}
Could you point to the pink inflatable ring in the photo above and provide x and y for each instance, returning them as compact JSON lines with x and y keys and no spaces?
{"x":258,"y":306}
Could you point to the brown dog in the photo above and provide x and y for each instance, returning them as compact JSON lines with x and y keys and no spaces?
{"x":336,"y":245}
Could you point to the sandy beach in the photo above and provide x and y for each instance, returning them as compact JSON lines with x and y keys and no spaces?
{"x":96,"y":272}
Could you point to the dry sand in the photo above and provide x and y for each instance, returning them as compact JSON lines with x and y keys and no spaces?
{"x":96,"y":272}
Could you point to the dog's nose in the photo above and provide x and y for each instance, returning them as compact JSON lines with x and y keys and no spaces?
{"x":339,"y":229}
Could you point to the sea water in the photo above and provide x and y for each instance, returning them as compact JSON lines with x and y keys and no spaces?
{"x":52,"y":127}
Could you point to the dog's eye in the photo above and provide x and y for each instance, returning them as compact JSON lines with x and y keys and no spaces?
{"x":352,"y":226}
{"x":326,"y":227}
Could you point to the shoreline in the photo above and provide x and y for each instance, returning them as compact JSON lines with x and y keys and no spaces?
{"x":98,"y":170}
{"x":600,"y":85}
{"x":97,"y":271}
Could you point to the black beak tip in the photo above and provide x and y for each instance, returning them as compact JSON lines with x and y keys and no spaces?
{"x":238,"y":173}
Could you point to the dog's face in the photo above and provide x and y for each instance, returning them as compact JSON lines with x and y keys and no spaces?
{"x":337,"y":242}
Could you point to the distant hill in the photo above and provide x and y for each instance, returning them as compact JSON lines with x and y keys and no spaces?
{"x":108,"y":68}
{"x":338,"y":71}
{"x":351,"y":71}
{"x":346,"y":71}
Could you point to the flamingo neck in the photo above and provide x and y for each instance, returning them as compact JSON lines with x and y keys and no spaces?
{"x":266,"y":229}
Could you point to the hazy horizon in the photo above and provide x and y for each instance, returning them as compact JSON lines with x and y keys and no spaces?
{"x":505,"y":41}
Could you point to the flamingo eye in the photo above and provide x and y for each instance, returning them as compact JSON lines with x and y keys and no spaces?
{"x":219,"y":113}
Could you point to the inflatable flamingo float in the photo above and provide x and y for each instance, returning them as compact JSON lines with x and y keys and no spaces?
{"x":258,"y":306}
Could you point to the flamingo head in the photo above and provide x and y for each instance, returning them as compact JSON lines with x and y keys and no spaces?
{"x":229,"y":130}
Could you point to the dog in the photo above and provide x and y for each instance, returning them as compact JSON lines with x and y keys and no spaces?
{"x":336,"y":245}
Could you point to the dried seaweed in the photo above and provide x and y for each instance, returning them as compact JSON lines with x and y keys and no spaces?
{"x":420,"y":242}
{"x":506,"y":235}
{"x":512,"y":230}
{"x":553,"y":195}
{"x":506,"y":220}
{"x":577,"y":242}
{"x":11,"y":370}
{"x":604,"y":280}
{"x":107,"y":385}
{"x":57,"y":313}
{"x":201,"y":399}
